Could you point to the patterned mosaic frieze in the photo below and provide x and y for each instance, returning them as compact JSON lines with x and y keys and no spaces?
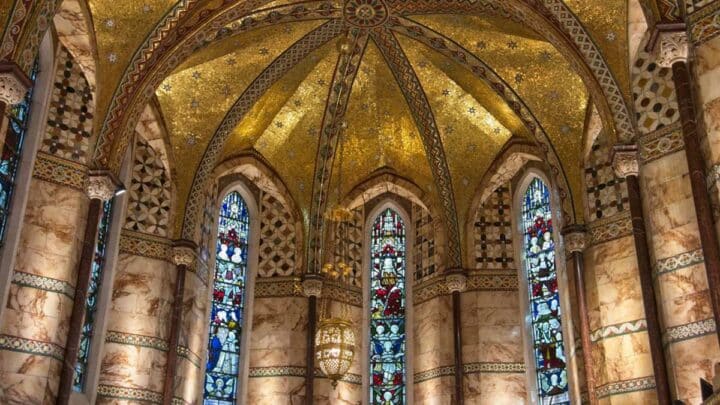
{"x":626,"y":386}
{"x":426,"y":259}
{"x":129,"y":339}
{"x":148,"y":208}
{"x":285,"y":287}
{"x":29,"y":346}
{"x":70,"y":117}
{"x":138,"y":244}
{"x":43,"y":283}
{"x":277,"y":371}
{"x":606,"y":194}
{"x":130,"y":394}
{"x":661,"y":143}
{"x":347,"y":294}
{"x":476,"y":281}
{"x":489,"y":367}
{"x":493,"y":248}
{"x":350,"y":236}
{"x":444,"y":371}
{"x":59,"y":171}
{"x":618,"y":330}
{"x":278,"y":239}
{"x":653,"y":92}
{"x":692,"y":6}
{"x":677,"y":262}
{"x":350,"y":378}
{"x":705,"y":23}
{"x":689,"y":331}
{"x":610,"y":229}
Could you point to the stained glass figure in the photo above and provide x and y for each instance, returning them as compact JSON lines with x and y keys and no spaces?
{"x":228,"y":300}
{"x":539,"y":252}
{"x":387,"y":310}
{"x":92,"y":298}
{"x":18,"y":119}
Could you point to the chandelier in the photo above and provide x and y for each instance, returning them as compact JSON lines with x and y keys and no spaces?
{"x":335,"y":337}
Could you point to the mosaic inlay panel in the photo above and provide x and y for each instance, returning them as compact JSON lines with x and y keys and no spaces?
{"x":606,"y":193}
{"x":426,"y":258}
{"x":150,"y":192}
{"x":493,"y":247}
{"x":278,"y":240}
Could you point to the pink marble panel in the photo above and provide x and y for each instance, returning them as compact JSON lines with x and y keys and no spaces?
{"x":279,"y":332}
{"x":627,"y":357}
{"x":343,"y":394}
{"x":23,"y":389}
{"x":691,"y":360}
{"x":438,"y":391}
{"x":495,"y":388}
{"x":433,"y":322}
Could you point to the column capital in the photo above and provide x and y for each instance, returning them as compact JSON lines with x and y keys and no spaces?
{"x":456,"y":280}
{"x":183,"y":252}
{"x":673,"y":48}
{"x":14,"y":83}
{"x":625,"y":160}
{"x":102,"y":185}
{"x":312,"y":285}
{"x":574,"y":237}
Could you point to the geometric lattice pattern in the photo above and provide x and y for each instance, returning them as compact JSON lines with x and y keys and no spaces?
{"x":70,"y":117}
{"x":425,"y":254}
{"x":278,"y":238}
{"x":606,"y":193}
{"x":654,"y":94}
{"x":351,"y":235}
{"x":493,"y":231}
{"x":149,"y":207}
{"x":693,"y":5}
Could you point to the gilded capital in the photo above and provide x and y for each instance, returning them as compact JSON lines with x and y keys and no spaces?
{"x":456,"y":281}
{"x":625,"y":161}
{"x":574,"y":238}
{"x":673,"y":48}
{"x":312,"y":285}
{"x":184,"y":253}
{"x":13,"y":83}
{"x":100,"y":186}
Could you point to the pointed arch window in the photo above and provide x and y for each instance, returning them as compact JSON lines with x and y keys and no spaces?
{"x":88,"y":329}
{"x":18,"y":120}
{"x":228,"y":300}
{"x":388,"y":376}
{"x":539,"y":263}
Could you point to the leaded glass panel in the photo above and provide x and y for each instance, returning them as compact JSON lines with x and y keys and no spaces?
{"x":539,"y":252}
{"x":228,"y":299}
{"x":387,"y":310}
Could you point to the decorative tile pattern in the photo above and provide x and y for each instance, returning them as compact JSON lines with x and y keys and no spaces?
{"x":661,"y":143}
{"x":59,"y":171}
{"x":278,"y":287}
{"x":653,"y":92}
{"x":350,"y":378}
{"x":139,"y":244}
{"x":136,"y":340}
{"x":343,"y":293}
{"x":353,"y":243}
{"x":606,"y":193}
{"x":278,"y":250}
{"x":678,"y":262}
{"x":618,"y":330}
{"x":43,"y":283}
{"x":207,"y":226}
{"x":624,"y":387}
{"x":493,"y":231}
{"x":70,"y":117}
{"x":149,"y":205}
{"x":131,"y":394}
{"x":689,"y":331}
{"x":692,"y":6}
{"x":705,"y":23}
{"x":609,"y":229}
{"x":426,"y":259}
{"x":22,"y":345}
{"x":477,"y":281}
{"x":277,"y":371}
{"x":474,"y":368}
{"x":434,"y":373}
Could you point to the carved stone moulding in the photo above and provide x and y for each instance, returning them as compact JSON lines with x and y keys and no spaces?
{"x":312,"y":285}
{"x":456,"y":281}
{"x":183,"y":253}
{"x":13,"y":83}
{"x":574,"y":238}
{"x":102,"y":185}
{"x":673,"y":48}
{"x":625,"y":161}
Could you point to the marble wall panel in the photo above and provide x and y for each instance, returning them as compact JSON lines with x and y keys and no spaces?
{"x":691,"y":360}
{"x":496,"y":388}
{"x":276,"y":390}
{"x":437,"y":391}
{"x":432,"y":325}
{"x":344,"y":394}
{"x":279,"y":332}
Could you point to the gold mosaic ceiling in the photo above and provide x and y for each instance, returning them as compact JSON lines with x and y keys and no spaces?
{"x":473,"y":121}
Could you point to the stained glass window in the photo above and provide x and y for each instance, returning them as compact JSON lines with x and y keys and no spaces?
{"x":92,"y":297}
{"x":539,"y":252}
{"x":387,"y":310}
{"x":18,"y":119}
{"x":228,"y":299}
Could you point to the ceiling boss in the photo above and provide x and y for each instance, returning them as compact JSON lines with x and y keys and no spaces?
{"x":365,"y":13}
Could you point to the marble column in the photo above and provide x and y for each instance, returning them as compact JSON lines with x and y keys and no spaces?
{"x":674,"y":53}
{"x":312,"y":288}
{"x":101,"y":186}
{"x":625,"y":164}
{"x":183,"y":257}
{"x":574,"y":237}
{"x":456,"y":282}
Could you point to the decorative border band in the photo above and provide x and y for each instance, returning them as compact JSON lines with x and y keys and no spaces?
{"x":350,"y":378}
{"x":277,"y":287}
{"x":277,"y":371}
{"x":627,"y":386}
{"x":619,"y":329}
{"x":348,"y":294}
{"x":133,"y":394}
{"x":189,"y":355}
{"x":434,"y":373}
{"x":130,"y":339}
{"x":660,"y":143}
{"x":705,"y":23}
{"x":29,"y":346}
{"x":689,"y":331}
{"x":139,"y":244}
{"x":482,"y":280}
{"x":677,"y":262}
{"x":59,"y":171}
{"x":607,"y":229}
{"x":44,"y":283}
{"x":487,"y":368}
